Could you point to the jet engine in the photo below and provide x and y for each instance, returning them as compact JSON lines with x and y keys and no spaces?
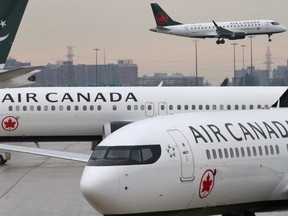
{"x":237,"y":35}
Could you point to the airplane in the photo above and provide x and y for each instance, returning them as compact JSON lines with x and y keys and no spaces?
{"x":232,"y":30}
{"x":42,"y":114}
{"x":232,"y":163}
{"x":11,"y":13}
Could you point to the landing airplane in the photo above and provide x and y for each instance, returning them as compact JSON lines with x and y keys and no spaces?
{"x":89,"y":114}
{"x":11,"y":13}
{"x":232,"y":30}
{"x":232,"y":163}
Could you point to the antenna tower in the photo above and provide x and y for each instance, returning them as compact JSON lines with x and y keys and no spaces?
{"x":70,"y":55}
{"x":268,"y":62}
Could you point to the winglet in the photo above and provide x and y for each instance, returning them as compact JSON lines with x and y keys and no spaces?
{"x":161,"y":17}
{"x":282,"y":102}
{"x":217,"y":27}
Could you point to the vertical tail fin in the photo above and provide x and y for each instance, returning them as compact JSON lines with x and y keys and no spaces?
{"x":161,"y":17}
{"x":11,"y":13}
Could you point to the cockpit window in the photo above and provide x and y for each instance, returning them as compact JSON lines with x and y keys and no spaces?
{"x":275,"y":23}
{"x":124,"y":155}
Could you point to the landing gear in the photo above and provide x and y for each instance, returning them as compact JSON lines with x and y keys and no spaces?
{"x":220,"y":41}
{"x":269,"y":39}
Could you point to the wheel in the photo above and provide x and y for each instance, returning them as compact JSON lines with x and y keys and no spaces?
{"x":2,"y":161}
{"x":222,"y":41}
{"x":218,"y":42}
{"x":269,"y":39}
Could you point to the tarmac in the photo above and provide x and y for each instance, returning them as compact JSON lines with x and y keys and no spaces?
{"x":37,"y":185}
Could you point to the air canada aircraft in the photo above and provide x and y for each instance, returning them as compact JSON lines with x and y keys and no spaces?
{"x":11,"y":13}
{"x":91,"y":113}
{"x":232,"y":30}
{"x":232,"y":163}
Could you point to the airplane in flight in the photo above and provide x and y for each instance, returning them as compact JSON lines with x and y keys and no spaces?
{"x":42,"y":114}
{"x":11,"y":13}
{"x":189,"y":164}
{"x":232,"y":30}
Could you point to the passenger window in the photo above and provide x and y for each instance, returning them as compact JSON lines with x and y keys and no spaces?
{"x":254,"y":151}
{"x":226,"y":153}
{"x":162,"y":107}
{"x":135,"y":107}
{"x":248,"y":152}
{"x":266,"y":150}
{"x":99,"y":107}
{"x":271,"y":150}
{"x":242,"y":152}
{"x":237,"y":152}
{"x":208,"y":155}
{"x":31,"y":108}
{"x":214,"y":107}
{"x":186,"y":107}
{"x":115,"y":107}
{"x":251,"y":107}
{"x":193,"y":107}
{"x":10,"y":108}
{"x":142,"y":107}
{"x":231,"y":153}
{"x":38,"y":108}
{"x":178,"y":107}
{"x":170,"y":107}
{"x":277,"y":149}
{"x":17,"y":108}
{"x":207,"y":107}
{"x":76,"y":107}
{"x":84,"y":108}
{"x":91,"y":107}
{"x":236,"y":107}
{"x":61,"y":108}
{"x":221,"y":107}
{"x":200,"y":107}
{"x":260,"y":150}
{"x":68,"y":108}
{"x":214,"y":153}
{"x":220,"y":153}
{"x":228,"y":107}
{"x":24,"y":108}
{"x":129,"y":107}
{"x":53,"y":108}
{"x":45,"y":108}
{"x":243,"y":107}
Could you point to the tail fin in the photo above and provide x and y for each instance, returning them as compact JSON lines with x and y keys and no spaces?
{"x":11,"y":13}
{"x":282,"y":102}
{"x":161,"y":17}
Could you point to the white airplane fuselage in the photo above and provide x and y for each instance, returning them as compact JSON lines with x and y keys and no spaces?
{"x":208,"y":30}
{"x":60,"y":113}
{"x":198,"y":164}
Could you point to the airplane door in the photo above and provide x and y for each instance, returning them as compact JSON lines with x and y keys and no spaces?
{"x":149,"y":109}
{"x":267,"y":25}
{"x":162,"y":108}
{"x":186,"y":155}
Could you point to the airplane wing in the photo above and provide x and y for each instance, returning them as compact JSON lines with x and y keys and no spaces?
{"x":11,"y":74}
{"x":45,"y":152}
{"x":225,"y":33}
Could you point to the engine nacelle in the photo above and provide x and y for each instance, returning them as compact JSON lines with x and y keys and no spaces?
{"x":237,"y":35}
{"x":110,"y":127}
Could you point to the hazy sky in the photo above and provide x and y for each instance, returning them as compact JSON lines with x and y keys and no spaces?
{"x":121,"y":27}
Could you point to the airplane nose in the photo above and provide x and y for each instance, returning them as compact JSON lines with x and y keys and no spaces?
{"x":99,"y":186}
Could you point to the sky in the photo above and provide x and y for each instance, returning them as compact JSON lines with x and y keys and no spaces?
{"x":121,"y":28}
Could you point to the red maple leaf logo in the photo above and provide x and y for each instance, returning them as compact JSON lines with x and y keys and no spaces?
{"x":10,"y":123}
{"x":162,"y":18}
{"x":206,"y":184}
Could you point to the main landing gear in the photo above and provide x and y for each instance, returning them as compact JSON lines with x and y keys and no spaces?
{"x":220,"y":41}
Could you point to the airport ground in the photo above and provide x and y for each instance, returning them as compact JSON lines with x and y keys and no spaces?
{"x":40,"y":186}
{"x":34,"y":185}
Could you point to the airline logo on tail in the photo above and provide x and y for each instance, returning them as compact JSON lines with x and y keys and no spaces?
{"x":161,"y":18}
{"x":3,"y":24}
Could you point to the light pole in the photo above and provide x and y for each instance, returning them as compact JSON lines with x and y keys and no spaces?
{"x":196,"y":61}
{"x":96,"y":66}
{"x":251,"y":50}
{"x":234,"y":44}
{"x":243,"y":46}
